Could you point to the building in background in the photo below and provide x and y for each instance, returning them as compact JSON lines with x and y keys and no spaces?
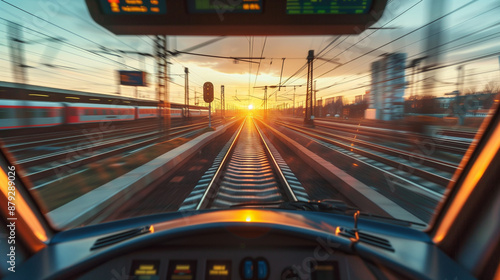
{"x":386,"y":97}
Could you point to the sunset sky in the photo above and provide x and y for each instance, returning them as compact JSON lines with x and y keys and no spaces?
{"x":470,"y":32}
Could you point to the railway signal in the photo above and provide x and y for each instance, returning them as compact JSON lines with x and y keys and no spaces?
{"x":208,"y":92}
{"x":208,"y":96}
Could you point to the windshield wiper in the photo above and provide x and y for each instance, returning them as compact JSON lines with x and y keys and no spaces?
{"x":326,"y":205}
{"x":393,"y":220}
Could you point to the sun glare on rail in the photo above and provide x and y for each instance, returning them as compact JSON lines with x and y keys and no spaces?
{"x":250,"y":107}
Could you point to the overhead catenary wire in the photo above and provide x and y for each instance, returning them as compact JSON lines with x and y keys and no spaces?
{"x":261,"y":55}
{"x":346,"y":37}
{"x":431,"y":69}
{"x":80,"y":48}
{"x":398,"y":38}
{"x":337,"y":84}
{"x":493,"y":36}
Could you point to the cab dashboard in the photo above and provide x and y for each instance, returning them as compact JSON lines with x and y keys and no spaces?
{"x":249,"y":244}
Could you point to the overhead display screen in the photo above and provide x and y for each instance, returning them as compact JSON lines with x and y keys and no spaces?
{"x":336,"y":7}
{"x":111,"y":7}
{"x":225,"y":6}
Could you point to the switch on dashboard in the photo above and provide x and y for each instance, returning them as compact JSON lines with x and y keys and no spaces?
{"x":218,"y":270}
{"x":254,"y":269}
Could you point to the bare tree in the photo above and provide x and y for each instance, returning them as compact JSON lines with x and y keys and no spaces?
{"x":492,"y":87}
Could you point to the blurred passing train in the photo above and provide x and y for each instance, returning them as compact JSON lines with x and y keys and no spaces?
{"x":23,"y":114}
{"x":19,"y":107}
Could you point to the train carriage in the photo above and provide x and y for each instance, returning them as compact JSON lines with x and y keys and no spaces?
{"x":23,"y":114}
{"x":88,"y":113}
{"x":175,"y":113}
{"x":198,"y":112}
{"x":146,"y":112}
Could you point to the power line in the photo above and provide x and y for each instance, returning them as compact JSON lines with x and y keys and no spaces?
{"x":107,"y":32}
{"x":53,"y":24}
{"x":426,"y":70}
{"x":261,"y":54}
{"x":77,"y":47}
{"x":473,"y":33}
{"x":493,"y":36}
{"x":400,"y":37}
{"x":345,"y":38}
{"x":35,"y":33}
{"x":66,"y":67}
{"x":456,"y":47}
{"x":384,"y":25}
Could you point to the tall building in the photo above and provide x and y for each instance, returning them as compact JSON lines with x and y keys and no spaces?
{"x":386,"y":98}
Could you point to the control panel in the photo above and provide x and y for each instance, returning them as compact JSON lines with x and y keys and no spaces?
{"x":235,"y":264}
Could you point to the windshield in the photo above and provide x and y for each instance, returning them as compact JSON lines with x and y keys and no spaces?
{"x":104,"y":127}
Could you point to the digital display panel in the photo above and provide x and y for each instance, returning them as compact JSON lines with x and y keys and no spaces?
{"x":111,"y":7}
{"x":329,"y":7}
{"x":225,"y":6}
{"x":145,"y":270}
{"x":218,"y":270}
{"x":133,"y":78}
{"x":181,"y":270}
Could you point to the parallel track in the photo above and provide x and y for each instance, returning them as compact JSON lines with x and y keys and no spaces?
{"x":405,"y":160}
{"x":43,"y":166}
{"x":442,"y":144}
{"x":417,"y":195}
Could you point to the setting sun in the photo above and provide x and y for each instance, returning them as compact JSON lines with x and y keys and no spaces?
{"x":250,"y":107}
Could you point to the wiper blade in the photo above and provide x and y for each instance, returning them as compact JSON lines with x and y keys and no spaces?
{"x":326,"y":205}
{"x":392,"y":220}
{"x":257,"y":204}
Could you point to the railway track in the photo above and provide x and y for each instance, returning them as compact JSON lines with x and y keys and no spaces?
{"x":71,"y":152}
{"x":38,"y":148}
{"x":396,"y":179}
{"x":457,"y":133}
{"x":247,"y":170}
{"x":431,"y":169}
{"x":49,"y":136}
{"x":454,"y":146}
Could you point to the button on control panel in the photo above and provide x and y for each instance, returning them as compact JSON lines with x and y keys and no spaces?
{"x":254,"y":269}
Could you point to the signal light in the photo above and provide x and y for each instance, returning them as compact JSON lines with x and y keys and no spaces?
{"x":208,"y":92}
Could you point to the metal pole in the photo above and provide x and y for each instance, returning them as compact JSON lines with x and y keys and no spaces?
{"x":167,"y":84}
{"x":186,"y":94}
{"x":293,"y":109}
{"x":433,"y":42}
{"x":265,"y":102}
{"x":195,"y":101}
{"x":162,"y":86}
{"x":458,"y":106}
{"x":209,"y":115}
{"x":118,"y":79}
{"x":460,"y":78}
{"x":17,"y":52}
{"x":222,"y":101}
{"x":314,"y":100}
{"x":309,"y":92}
